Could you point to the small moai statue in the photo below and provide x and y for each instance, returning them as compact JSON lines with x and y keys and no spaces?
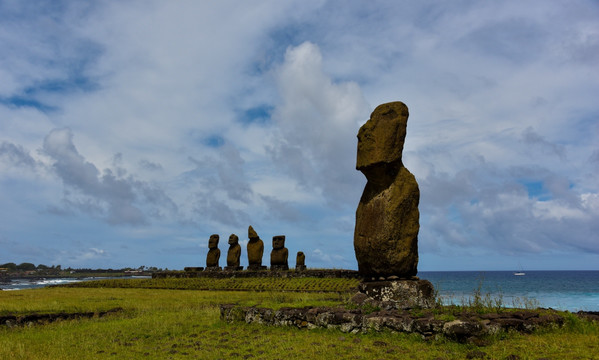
{"x":213,"y":253}
{"x":255,"y":249}
{"x":300,"y":261}
{"x":279,"y":254}
{"x":233,"y":254}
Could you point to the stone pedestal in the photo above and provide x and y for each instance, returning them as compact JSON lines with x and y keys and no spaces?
{"x":279,"y":267}
{"x":213,"y":268}
{"x":300,"y":267}
{"x":193,"y":268}
{"x":396,"y":294}
{"x":233,"y":268}
{"x":256,"y":267}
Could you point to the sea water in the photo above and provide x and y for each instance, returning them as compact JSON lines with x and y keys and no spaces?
{"x":23,"y":284}
{"x":561,"y":290}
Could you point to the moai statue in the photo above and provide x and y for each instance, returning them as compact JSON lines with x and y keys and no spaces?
{"x":386,"y":233}
{"x":387,"y":218}
{"x":234,"y":254}
{"x":300,"y":261}
{"x":279,"y":254}
{"x":255,"y":249}
{"x":213,"y":253}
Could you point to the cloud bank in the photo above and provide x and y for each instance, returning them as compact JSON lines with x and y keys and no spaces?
{"x":130,"y":132}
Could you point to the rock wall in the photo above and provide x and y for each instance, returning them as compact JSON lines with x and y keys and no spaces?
{"x":466,"y":327}
{"x":347,"y":274}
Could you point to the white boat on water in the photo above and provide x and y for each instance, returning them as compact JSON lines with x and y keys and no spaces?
{"x":521,"y":272}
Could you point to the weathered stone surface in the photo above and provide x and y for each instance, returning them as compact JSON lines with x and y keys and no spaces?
{"x":255,"y":249}
{"x":279,"y":254}
{"x":234,"y":253}
{"x":460,"y":330}
{"x":213,"y":255}
{"x":397,"y":294}
{"x":387,"y":218}
{"x":193,"y":268}
{"x":467,"y":327}
{"x":300,"y":261}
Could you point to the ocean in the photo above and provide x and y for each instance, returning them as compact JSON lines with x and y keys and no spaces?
{"x":560,"y":290}
{"x":23,"y":284}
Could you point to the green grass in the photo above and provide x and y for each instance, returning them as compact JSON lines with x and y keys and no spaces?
{"x":185,"y":324}
{"x":238,"y":284}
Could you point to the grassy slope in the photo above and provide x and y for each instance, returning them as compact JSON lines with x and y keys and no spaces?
{"x":184,"y":324}
{"x":243,"y":284}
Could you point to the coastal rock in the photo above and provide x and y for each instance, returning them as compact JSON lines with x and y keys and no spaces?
{"x":387,"y":218}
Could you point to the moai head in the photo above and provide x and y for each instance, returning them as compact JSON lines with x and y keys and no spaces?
{"x":278,"y":242}
{"x":213,"y":241}
{"x":252,"y":234}
{"x":381,"y":138}
{"x":233,"y":239}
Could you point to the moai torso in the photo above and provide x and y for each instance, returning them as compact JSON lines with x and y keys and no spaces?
{"x":213,"y":253}
{"x":387,"y":218}
{"x":234,"y":253}
{"x":300,"y":261}
{"x":279,"y":254}
{"x":255,"y":249}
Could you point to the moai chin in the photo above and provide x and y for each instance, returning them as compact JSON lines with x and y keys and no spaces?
{"x":300,"y":261}
{"x":234,"y":254}
{"x":279,"y":254}
{"x":255,"y":250}
{"x":387,"y":218}
{"x":213,"y":253}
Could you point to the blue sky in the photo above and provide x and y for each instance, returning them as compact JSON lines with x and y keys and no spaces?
{"x":132,"y":130}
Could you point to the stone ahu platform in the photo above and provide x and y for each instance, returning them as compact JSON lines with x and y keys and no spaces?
{"x":463,"y":327}
{"x":396,"y":294}
{"x":317,"y":273}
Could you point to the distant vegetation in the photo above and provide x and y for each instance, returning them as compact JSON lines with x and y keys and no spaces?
{"x":28,"y":269}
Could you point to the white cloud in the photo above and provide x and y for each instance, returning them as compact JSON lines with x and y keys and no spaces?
{"x":189,"y":118}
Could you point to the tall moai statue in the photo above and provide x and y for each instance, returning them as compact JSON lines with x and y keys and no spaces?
{"x":255,"y":249}
{"x":234,"y":254}
{"x":213,"y":253}
{"x":387,"y":218}
{"x":279,"y":254}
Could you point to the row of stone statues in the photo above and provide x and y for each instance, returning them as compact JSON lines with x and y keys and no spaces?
{"x":255,"y":250}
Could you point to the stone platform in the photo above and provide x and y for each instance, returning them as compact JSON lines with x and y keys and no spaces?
{"x":192,"y":272}
{"x":464,"y":327}
{"x":396,"y":294}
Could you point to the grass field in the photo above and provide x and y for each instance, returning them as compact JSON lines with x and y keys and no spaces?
{"x":184,"y":324}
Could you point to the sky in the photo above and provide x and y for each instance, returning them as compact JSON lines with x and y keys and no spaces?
{"x":130,"y":131}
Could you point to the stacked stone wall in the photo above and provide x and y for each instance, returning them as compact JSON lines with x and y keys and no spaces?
{"x":317,"y":273}
{"x":465,"y":327}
